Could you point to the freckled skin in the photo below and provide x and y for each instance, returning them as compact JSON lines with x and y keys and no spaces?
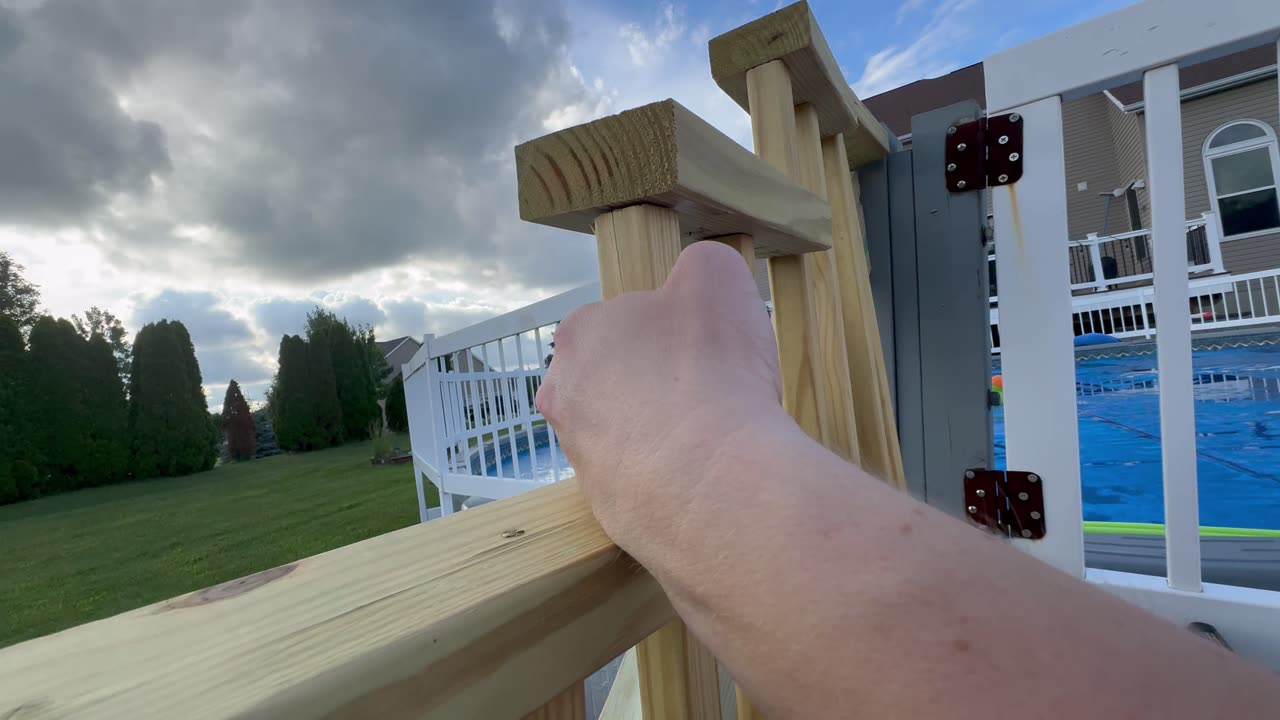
{"x":824,"y":592}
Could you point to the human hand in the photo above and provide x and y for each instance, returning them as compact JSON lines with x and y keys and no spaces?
{"x":648,"y":387}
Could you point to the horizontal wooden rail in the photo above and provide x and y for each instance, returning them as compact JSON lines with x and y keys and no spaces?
{"x":490,"y":613}
{"x":662,"y":154}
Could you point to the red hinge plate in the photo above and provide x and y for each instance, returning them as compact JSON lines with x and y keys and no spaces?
{"x":1009,"y":502}
{"x":984,"y":153}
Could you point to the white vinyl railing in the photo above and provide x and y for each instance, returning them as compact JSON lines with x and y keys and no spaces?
{"x":1099,"y":262}
{"x":1148,"y":40}
{"x":473,"y":425}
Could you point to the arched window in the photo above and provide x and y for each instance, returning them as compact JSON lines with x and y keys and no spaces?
{"x":1243,"y":170}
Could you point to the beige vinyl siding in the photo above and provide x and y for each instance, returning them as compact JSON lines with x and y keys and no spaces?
{"x":1131,"y":161}
{"x":761,"y":274}
{"x":1091,"y":158}
{"x":1252,"y":254}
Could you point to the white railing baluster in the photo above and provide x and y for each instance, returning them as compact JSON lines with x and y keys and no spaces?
{"x":551,"y":433}
{"x":507,"y":400}
{"x":1173,"y":343}
{"x":527,"y":411}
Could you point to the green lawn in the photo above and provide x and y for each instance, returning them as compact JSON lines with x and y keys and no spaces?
{"x":69,"y":559}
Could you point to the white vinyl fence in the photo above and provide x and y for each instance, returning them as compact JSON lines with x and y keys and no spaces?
{"x":1147,"y":40}
{"x":472,"y":422}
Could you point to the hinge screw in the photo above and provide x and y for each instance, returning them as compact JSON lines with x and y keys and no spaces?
{"x":972,"y":509}
{"x":1023,"y":496}
{"x":1003,"y":139}
{"x":951,"y":167}
{"x":968,"y":474}
{"x":1003,"y":178}
{"x":1013,"y":157}
{"x":1026,"y":533}
{"x":960,"y":185}
{"x":962,"y":147}
{"x":951,"y":130}
{"x":1032,"y":477}
{"x":981,"y":493}
{"x":1014,"y":117}
{"x":1035,"y":515}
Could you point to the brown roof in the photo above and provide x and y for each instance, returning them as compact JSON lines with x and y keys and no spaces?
{"x":896,"y":107}
{"x":1207,"y":72}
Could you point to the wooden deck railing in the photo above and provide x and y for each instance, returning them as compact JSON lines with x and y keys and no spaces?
{"x":501,"y":611}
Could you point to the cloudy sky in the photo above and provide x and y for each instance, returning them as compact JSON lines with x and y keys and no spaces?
{"x":233,"y":163}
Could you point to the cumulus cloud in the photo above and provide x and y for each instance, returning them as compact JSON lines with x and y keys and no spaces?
{"x":209,"y":324}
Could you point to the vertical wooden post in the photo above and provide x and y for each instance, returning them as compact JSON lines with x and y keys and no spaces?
{"x":637,"y":248}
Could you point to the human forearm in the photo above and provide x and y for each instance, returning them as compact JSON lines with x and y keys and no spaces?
{"x":827,"y":594}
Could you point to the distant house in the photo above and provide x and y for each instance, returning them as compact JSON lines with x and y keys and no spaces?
{"x":398,"y":352}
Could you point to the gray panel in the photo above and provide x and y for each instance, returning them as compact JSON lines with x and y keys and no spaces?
{"x":906,"y":319}
{"x":1246,"y":561}
{"x":955,"y":353}
{"x":874,"y":181}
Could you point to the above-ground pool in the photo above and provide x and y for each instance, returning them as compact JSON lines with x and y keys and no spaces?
{"x":1237,"y":400}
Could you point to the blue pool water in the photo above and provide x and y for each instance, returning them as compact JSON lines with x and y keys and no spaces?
{"x":1237,"y":401}
{"x":544,"y":472}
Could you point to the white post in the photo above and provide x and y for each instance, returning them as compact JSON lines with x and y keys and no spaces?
{"x":1213,"y":238}
{"x":1173,"y":341}
{"x":1037,"y":359}
{"x":420,"y":391}
{"x":1095,"y":257}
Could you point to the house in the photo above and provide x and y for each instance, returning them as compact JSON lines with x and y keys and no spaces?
{"x":398,"y":352}
{"x":1230,"y":117}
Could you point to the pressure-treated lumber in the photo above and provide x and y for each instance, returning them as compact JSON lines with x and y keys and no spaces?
{"x":637,"y":247}
{"x":773,"y":129}
{"x":873,"y":407}
{"x":568,"y":705}
{"x":832,"y":361}
{"x":623,"y":702}
{"x":744,"y":244}
{"x":792,"y":36}
{"x":483,"y":614}
{"x":662,"y":154}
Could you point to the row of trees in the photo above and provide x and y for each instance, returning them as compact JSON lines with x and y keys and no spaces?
{"x":327,"y":386}
{"x":67,"y":422}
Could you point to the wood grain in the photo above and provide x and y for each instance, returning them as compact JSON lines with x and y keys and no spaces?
{"x":792,"y":35}
{"x":744,"y":244}
{"x":482,"y":614}
{"x":662,"y":154}
{"x":623,"y":702}
{"x":637,"y":248}
{"x":873,"y":406}
{"x":831,"y":355}
{"x":773,"y":127}
{"x":568,"y":705}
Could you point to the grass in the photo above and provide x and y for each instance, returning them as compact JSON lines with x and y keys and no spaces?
{"x":69,"y":559}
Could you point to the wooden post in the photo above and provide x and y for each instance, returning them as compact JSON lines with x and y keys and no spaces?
{"x":637,"y":247}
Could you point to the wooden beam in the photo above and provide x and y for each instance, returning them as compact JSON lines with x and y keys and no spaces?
{"x":483,"y":614}
{"x":872,"y":405}
{"x":637,"y":246}
{"x":744,"y":244}
{"x":792,"y":36}
{"x":773,"y":128}
{"x":662,"y":154}
{"x":568,"y":705}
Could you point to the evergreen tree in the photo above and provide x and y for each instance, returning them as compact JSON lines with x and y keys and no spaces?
{"x":103,"y":322}
{"x":325,"y":406}
{"x":288,"y":395}
{"x":397,"y":409}
{"x":353,"y":377}
{"x":379,"y":370}
{"x":106,"y":428}
{"x":169,"y":423}
{"x":58,"y":376}
{"x":237,"y":424}
{"x":18,"y":458}
{"x":265,"y":433}
{"x":19,"y":299}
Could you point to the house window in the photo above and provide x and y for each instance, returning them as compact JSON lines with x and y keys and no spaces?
{"x":1242,"y":166}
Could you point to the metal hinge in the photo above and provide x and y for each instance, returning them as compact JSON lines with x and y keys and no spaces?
{"x":984,"y":153}
{"x":1009,"y":502}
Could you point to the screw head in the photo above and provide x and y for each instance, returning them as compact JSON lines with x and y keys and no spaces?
{"x":1003,"y":139}
{"x":1035,"y":514}
{"x":1033,"y":478}
{"x":972,"y":509}
{"x":1014,"y":117}
{"x":512,"y":533}
{"x":962,"y":147}
{"x":951,"y":167}
{"x":1026,"y":533}
{"x":951,"y":130}
{"x":1013,"y":157}
{"x":981,"y":493}
{"x":1003,"y":178}
{"x":968,"y":474}
{"x":1023,"y":496}
{"x":960,"y":185}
